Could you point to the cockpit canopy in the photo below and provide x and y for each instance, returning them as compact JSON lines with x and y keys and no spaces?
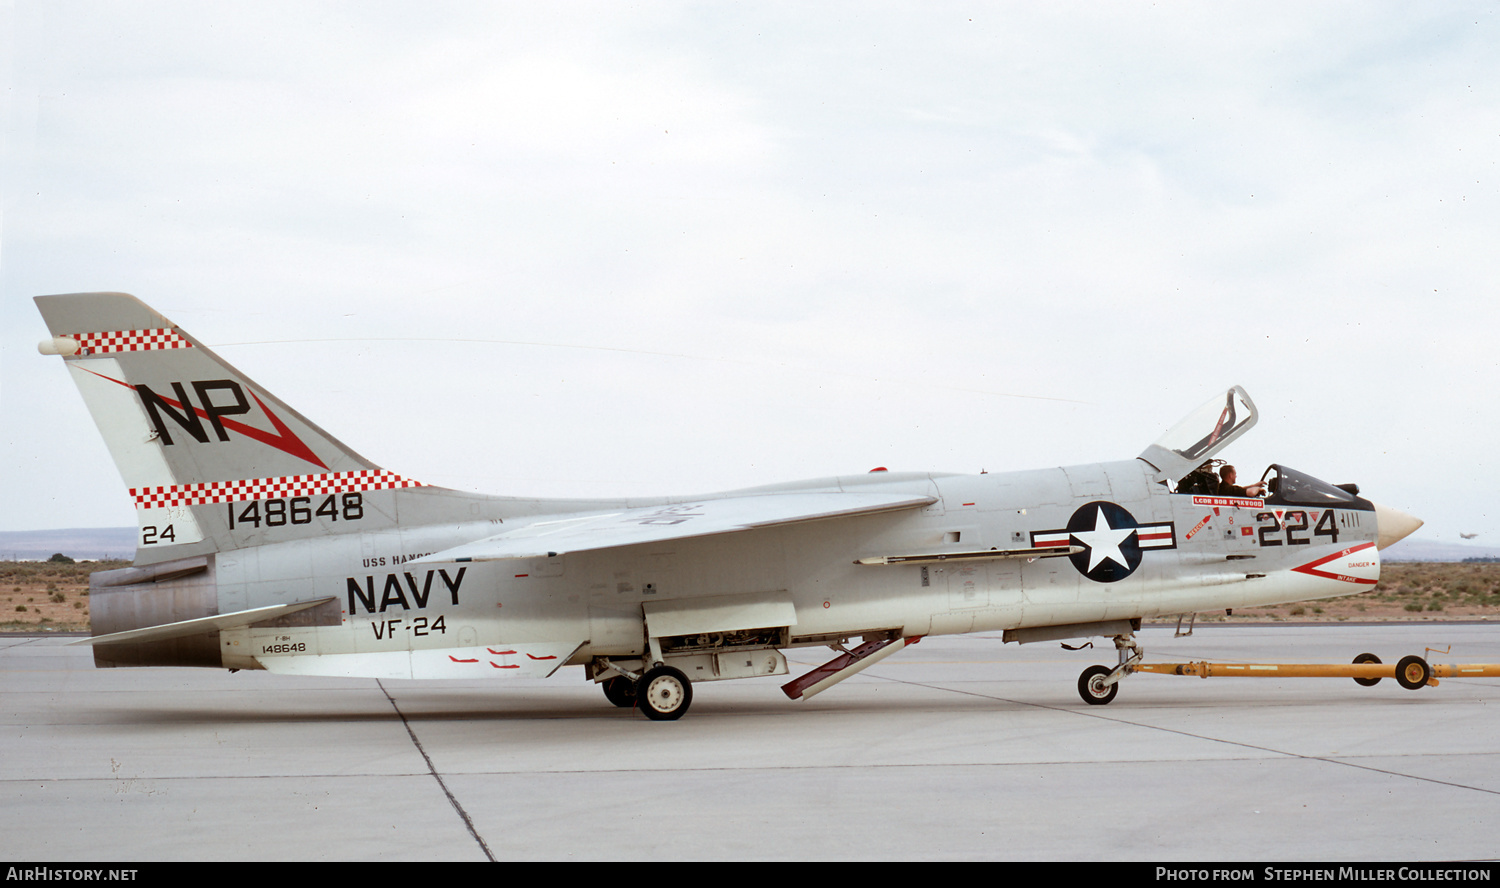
{"x":1201,"y":434}
{"x":1294,"y":488}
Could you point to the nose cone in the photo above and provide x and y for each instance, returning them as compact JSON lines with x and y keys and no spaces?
{"x":1392,"y":525}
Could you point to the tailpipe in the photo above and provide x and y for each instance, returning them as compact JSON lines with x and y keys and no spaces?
{"x":134,"y":598}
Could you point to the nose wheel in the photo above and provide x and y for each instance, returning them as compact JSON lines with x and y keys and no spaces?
{"x":1099,"y":684}
{"x":1092,"y":687}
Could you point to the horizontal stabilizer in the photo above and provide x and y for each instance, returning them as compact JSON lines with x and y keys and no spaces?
{"x":652,"y":524}
{"x":204,"y":624}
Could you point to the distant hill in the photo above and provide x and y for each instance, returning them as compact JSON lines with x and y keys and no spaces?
{"x":1413,"y":549}
{"x":78,"y":543}
{"x":99,"y":543}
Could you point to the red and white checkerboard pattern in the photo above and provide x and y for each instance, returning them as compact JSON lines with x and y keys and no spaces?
{"x":267,"y":488}
{"x":129,"y":341}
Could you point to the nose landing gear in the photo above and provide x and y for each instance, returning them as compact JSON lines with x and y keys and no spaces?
{"x":1099,"y":684}
{"x":1093,"y":688}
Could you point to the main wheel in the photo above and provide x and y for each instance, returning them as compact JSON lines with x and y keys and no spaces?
{"x":1367,"y":658}
{"x":664,"y":694}
{"x":620,"y":691}
{"x":1091,"y":686}
{"x":1412,"y":672}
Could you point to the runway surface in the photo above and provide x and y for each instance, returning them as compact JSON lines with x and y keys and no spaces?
{"x":956,"y":748}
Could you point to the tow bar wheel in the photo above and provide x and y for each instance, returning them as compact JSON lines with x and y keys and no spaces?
{"x":1361,"y":660}
{"x":664,"y":694}
{"x":1091,"y":686}
{"x":1412,"y":672}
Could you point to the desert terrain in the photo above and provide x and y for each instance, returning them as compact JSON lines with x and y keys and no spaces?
{"x":54,"y":597}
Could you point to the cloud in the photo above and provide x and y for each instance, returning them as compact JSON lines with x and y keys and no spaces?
{"x":750,"y":243}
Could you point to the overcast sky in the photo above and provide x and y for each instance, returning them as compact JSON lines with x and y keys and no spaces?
{"x":666,"y":248}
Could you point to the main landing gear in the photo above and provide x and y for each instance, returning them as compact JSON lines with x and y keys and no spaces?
{"x":661,"y":693}
{"x":620,"y":691}
{"x":664,"y":694}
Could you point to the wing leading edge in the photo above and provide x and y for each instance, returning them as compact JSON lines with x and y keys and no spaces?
{"x":653,"y":524}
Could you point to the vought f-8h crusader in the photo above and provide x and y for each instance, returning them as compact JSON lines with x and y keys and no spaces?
{"x":265,"y":543}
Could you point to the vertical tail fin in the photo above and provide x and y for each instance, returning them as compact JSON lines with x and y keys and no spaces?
{"x":212,"y":460}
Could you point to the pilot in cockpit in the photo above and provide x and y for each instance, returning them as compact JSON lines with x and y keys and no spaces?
{"x":1227,"y":487}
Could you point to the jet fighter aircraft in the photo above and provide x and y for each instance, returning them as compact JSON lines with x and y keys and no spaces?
{"x":265,"y":543}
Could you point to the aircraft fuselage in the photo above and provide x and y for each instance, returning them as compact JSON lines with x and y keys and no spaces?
{"x":1148,"y":553}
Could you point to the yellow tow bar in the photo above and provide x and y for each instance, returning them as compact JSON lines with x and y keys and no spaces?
{"x":1410,"y":672}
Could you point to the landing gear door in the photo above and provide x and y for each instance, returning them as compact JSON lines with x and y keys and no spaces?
{"x":1201,"y":434}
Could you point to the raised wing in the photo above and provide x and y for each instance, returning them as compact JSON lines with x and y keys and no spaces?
{"x":651,"y":524}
